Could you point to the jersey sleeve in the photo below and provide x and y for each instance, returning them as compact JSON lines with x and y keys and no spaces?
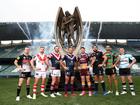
{"x":130,"y":57}
{"x":19,"y":58}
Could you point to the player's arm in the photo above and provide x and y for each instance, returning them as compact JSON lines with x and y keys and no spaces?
{"x":92,"y":60}
{"x":32,"y":63}
{"x":117,"y":61}
{"x":104,"y":61}
{"x":47,"y":62}
{"x":62,"y":63}
{"x":133,"y":61}
{"x":17,"y":61}
{"x":76,"y":63}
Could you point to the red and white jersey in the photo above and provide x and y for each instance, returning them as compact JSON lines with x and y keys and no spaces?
{"x":41,"y":62}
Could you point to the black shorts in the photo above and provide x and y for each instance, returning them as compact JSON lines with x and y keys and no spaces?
{"x":110,"y":71}
{"x":69,"y":73}
{"x":98,"y":71}
{"x":25,"y":74}
{"x":124,"y":71}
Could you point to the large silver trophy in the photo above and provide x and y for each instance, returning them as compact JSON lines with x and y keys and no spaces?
{"x":68,"y":30}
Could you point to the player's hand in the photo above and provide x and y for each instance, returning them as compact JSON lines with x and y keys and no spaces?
{"x":79,"y":68}
{"x":21,"y":69}
{"x":52,"y":68}
{"x":129,"y":66}
{"x":100,"y":65}
{"x":113,"y":66}
{"x":65,"y":68}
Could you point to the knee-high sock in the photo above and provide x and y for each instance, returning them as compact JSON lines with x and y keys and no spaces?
{"x":18,"y":90}
{"x":89,"y":85}
{"x":52,"y":88}
{"x":72,"y":88}
{"x":103,"y":86}
{"x":28,"y":89}
{"x":124,"y":86}
{"x":34,"y":89}
{"x":83,"y":85}
{"x":56,"y":88}
{"x":42,"y":88}
{"x":131,"y":85}
{"x":66,"y":88}
{"x":96,"y":86}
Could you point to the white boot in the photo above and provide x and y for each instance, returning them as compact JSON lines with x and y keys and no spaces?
{"x":17,"y":98}
{"x":44,"y":95}
{"x":29,"y":97}
{"x":34,"y":96}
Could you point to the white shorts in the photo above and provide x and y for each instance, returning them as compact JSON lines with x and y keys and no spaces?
{"x":56,"y":73}
{"x":40,"y":74}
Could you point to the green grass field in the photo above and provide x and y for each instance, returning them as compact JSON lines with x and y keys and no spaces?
{"x":8,"y":93}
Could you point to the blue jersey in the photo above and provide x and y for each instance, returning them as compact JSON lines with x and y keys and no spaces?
{"x":70,"y":61}
{"x":55,"y":60}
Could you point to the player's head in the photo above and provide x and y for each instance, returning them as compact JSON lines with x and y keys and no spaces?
{"x":70,"y":50}
{"x":56,"y":49}
{"x":122,"y":50}
{"x":82,"y":49}
{"x":95,"y":47}
{"x":26,"y":50}
{"x":42,"y":49}
{"x":108,"y":48}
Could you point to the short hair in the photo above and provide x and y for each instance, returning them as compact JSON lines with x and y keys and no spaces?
{"x":82,"y":48}
{"x":108,"y":46}
{"x":55,"y":47}
{"x":94,"y":46}
{"x":42,"y":47}
{"x":26,"y":47}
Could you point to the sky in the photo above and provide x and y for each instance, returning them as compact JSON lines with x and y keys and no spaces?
{"x":91,"y":10}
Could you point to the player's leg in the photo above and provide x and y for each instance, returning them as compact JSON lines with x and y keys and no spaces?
{"x":83,"y":85}
{"x":96,"y":83}
{"x":89,"y":84}
{"x":72,"y":85}
{"x":52,"y":87}
{"x":28,"y":87}
{"x":43,"y":85}
{"x":57,"y":86}
{"x":35,"y":87}
{"x":114,"y":78}
{"x":109,"y":84}
{"x":123,"y":79}
{"x":20,"y":81}
{"x":131,"y":85}
{"x":103,"y":84}
{"x":67,"y":78}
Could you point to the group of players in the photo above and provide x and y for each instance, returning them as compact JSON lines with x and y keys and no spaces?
{"x":96,"y":62}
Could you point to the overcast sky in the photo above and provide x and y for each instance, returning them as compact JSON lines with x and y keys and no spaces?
{"x":91,"y":10}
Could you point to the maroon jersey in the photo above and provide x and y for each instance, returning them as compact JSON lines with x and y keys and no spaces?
{"x":83,"y":58}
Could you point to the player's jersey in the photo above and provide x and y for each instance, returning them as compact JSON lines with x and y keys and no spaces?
{"x":99,"y":58}
{"x":40,"y":62}
{"x":83,"y":60}
{"x":111,"y":58}
{"x":55,"y":60}
{"x":24,"y":61}
{"x":124,"y":60}
{"x":70,"y":61}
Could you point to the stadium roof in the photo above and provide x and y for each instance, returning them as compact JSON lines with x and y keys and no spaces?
{"x":106,"y":30}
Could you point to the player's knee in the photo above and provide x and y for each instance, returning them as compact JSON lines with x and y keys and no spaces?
{"x":102,"y":81}
{"x":19,"y":86}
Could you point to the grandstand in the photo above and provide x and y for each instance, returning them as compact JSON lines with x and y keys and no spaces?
{"x":117,"y":34}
